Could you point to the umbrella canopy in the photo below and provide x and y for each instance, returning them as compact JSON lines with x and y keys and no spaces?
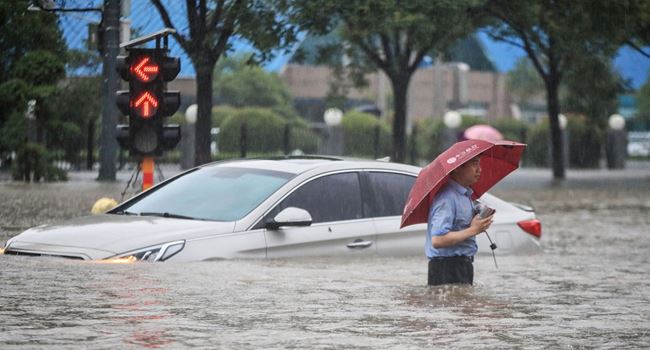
{"x":482,"y":132}
{"x":499,"y":158}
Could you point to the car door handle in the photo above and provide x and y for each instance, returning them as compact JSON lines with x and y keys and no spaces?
{"x":359,"y":244}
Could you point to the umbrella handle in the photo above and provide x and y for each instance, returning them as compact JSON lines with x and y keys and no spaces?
{"x":493,"y":247}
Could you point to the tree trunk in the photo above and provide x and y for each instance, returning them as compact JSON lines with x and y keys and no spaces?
{"x":557,"y":143}
{"x":204,"y":115}
{"x":400,"y":91}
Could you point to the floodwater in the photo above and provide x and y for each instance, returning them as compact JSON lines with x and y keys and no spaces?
{"x":590,"y":289}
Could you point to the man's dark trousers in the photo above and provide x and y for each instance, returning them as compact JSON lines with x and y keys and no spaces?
{"x":451,"y":270}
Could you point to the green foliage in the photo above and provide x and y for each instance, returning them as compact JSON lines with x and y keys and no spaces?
{"x":387,"y":35}
{"x":557,"y":36}
{"x":591,"y":88}
{"x":238,"y":84}
{"x":585,"y":143}
{"x":303,"y":139}
{"x":33,"y":57}
{"x":524,"y":82}
{"x":251,"y":86}
{"x":32,"y":164}
{"x":359,"y":130}
{"x":469,"y":121}
{"x":429,"y":140}
{"x":513,"y":130}
{"x":68,"y":137}
{"x":431,"y":134}
{"x":538,"y":145}
{"x":208,"y":37}
{"x":176,"y":118}
{"x":39,"y":68}
{"x":26,"y":31}
{"x":13,"y":132}
{"x":264,"y":131}
{"x":221,"y":113}
{"x":14,"y":93}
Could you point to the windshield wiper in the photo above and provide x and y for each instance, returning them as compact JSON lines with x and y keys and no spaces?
{"x":167,"y":215}
{"x":125,"y":212}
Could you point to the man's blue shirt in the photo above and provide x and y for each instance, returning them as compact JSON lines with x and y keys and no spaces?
{"x":452,"y":209}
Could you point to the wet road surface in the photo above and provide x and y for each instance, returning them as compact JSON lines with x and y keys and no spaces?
{"x":590,"y":289}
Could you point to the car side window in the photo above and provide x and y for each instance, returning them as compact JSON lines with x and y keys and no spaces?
{"x":329,"y":198}
{"x":388,"y":193}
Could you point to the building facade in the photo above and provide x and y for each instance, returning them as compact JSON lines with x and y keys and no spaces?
{"x":433,"y":90}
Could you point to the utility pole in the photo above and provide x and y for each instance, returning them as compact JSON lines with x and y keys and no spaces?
{"x":111,"y":48}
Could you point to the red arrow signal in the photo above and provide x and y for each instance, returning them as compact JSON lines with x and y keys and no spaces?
{"x":146,"y":104}
{"x":145,"y":69}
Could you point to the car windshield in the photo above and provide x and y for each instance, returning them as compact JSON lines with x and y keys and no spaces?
{"x":221,"y":194}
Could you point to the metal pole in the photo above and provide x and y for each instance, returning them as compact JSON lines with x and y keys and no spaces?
{"x":147,"y":172}
{"x":108,"y":148}
{"x":243,"y":139}
{"x":287,"y":139}
{"x":376,"y":144}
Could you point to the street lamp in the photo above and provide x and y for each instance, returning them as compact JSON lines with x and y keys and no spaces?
{"x":616,"y":122}
{"x":616,"y":145}
{"x":187,"y":138}
{"x":452,"y":119}
{"x":333,"y":118}
{"x":563,"y":121}
{"x":191,"y":113}
{"x":564,"y":134}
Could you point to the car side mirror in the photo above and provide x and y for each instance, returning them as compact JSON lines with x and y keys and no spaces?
{"x":292,"y":216}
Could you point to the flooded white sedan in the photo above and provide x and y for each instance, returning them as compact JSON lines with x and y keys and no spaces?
{"x":273,"y":208}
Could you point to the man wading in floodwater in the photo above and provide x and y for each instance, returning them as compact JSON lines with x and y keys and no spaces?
{"x":452,"y":225}
{"x":442,"y":197}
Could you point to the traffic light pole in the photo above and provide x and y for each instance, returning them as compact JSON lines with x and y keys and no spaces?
{"x":108,"y":150}
{"x":147,"y":167}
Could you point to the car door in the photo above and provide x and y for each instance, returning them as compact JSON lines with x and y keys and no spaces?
{"x":387,"y":193}
{"x":339,"y":226}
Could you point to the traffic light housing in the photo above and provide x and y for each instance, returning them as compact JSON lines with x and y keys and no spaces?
{"x":147,"y":102}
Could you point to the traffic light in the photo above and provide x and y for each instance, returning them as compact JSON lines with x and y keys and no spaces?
{"x":147,"y":102}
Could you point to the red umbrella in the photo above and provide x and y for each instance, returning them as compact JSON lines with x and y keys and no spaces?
{"x":499,"y":158}
{"x":482,"y":132}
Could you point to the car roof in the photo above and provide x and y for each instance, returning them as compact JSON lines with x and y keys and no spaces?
{"x":302,"y":164}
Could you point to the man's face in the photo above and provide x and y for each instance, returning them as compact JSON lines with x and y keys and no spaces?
{"x":468,"y":173}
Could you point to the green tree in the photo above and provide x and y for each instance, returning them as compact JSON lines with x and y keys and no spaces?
{"x":32,"y":56}
{"x":524,"y":82}
{"x":210,"y":27}
{"x":591,"y":88}
{"x":391,"y":36}
{"x":636,"y":29}
{"x":24,"y":32}
{"x":241,"y":85}
{"x":554,"y":35}
{"x":73,"y":125}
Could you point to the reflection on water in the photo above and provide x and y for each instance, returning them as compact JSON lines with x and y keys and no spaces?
{"x":589,"y":290}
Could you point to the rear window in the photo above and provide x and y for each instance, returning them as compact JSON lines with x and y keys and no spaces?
{"x":388,"y":193}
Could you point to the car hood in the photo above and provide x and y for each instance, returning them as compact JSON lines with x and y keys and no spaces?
{"x":114,"y":234}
